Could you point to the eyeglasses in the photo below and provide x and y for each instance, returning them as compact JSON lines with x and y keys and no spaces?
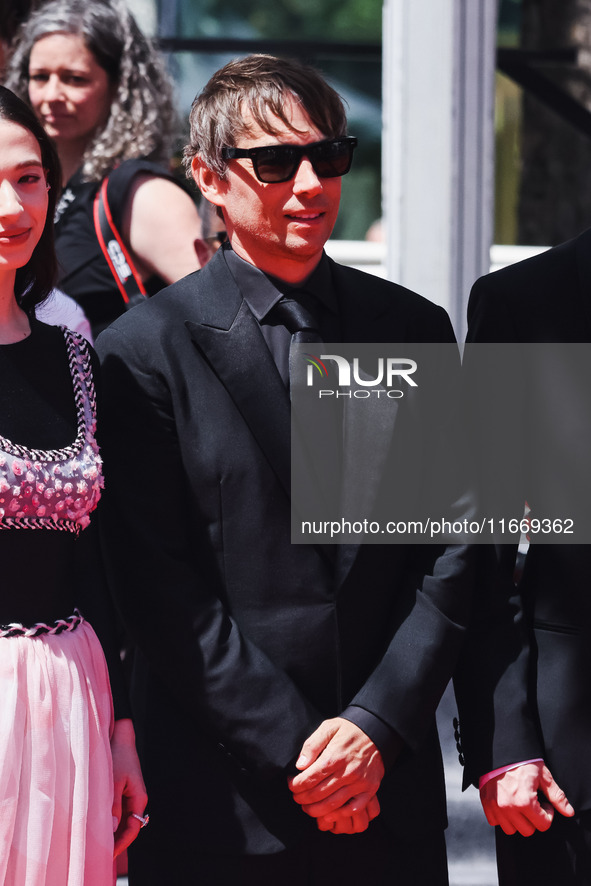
{"x":278,"y":163}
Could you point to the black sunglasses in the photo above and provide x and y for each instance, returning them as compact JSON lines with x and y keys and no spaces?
{"x":278,"y":163}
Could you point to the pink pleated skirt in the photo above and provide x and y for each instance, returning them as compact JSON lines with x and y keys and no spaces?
{"x":56,"y":776}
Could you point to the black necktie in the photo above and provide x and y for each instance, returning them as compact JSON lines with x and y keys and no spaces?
{"x":297,"y":317}
{"x":317,"y":420}
{"x":300,"y":322}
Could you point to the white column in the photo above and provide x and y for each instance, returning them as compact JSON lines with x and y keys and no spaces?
{"x":438,"y":167}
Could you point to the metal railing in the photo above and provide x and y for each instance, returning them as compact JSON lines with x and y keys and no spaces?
{"x":369,"y":257}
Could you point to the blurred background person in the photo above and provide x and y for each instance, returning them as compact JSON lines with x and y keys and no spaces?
{"x":101,"y":91}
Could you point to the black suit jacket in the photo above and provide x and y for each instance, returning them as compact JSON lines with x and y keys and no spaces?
{"x":523,"y":689}
{"x":247,"y":642}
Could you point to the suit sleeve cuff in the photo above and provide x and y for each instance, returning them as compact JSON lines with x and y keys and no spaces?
{"x":386,"y":739}
{"x":495,"y":772}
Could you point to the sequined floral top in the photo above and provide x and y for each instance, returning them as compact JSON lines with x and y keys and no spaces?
{"x":56,"y":488}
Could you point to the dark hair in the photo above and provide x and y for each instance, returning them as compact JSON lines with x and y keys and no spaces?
{"x":258,"y":84}
{"x":142,"y":117}
{"x":11,"y":15}
{"x":36,"y":279}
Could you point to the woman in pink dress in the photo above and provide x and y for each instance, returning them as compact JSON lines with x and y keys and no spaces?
{"x":71,"y":791}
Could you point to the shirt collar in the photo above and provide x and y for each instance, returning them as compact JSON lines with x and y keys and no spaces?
{"x":262,"y":291}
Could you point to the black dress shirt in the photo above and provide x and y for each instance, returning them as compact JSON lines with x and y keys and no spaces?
{"x":262,"y":292}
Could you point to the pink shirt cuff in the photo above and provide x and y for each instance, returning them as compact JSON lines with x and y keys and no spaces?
{"x":484,"y":778}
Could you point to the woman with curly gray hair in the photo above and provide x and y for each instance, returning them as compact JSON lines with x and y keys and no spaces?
{"x":102,"y":93}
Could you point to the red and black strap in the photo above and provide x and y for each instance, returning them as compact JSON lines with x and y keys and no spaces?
{"x":116,"y":253}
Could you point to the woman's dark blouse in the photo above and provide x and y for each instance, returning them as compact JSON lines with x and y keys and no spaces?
{"x":84,"y":274}
{"x":49,"y":573}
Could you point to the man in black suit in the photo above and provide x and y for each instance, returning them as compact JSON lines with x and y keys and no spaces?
{"x":524,"y":690}
{"x":284,"y":694}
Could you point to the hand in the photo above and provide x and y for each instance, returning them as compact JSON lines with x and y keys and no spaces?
{"x":341,"y":771}
{"x":130,"y":792}
{"x":511,"y":799}
{"x":347,"y":821}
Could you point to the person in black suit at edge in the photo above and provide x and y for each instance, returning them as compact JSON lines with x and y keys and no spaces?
{"x":524,"y":690}
{"x":269,"y":672}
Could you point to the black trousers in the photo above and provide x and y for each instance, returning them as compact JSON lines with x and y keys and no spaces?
{"x":374,"y":858}
{"x":560,"y":856}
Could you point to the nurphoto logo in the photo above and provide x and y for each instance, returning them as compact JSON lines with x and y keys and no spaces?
{"x":389,"y":371}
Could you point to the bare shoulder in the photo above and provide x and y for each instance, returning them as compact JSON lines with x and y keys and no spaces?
{"x":150,"y":192}
{"x":162,"y":226}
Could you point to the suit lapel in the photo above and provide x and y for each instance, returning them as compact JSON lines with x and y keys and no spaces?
{"x":368,"y":429}
{"x":368,"y":424}
{"x":364,"y":308}
{"x":229,"y":337}
{"x":367,"y":434}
